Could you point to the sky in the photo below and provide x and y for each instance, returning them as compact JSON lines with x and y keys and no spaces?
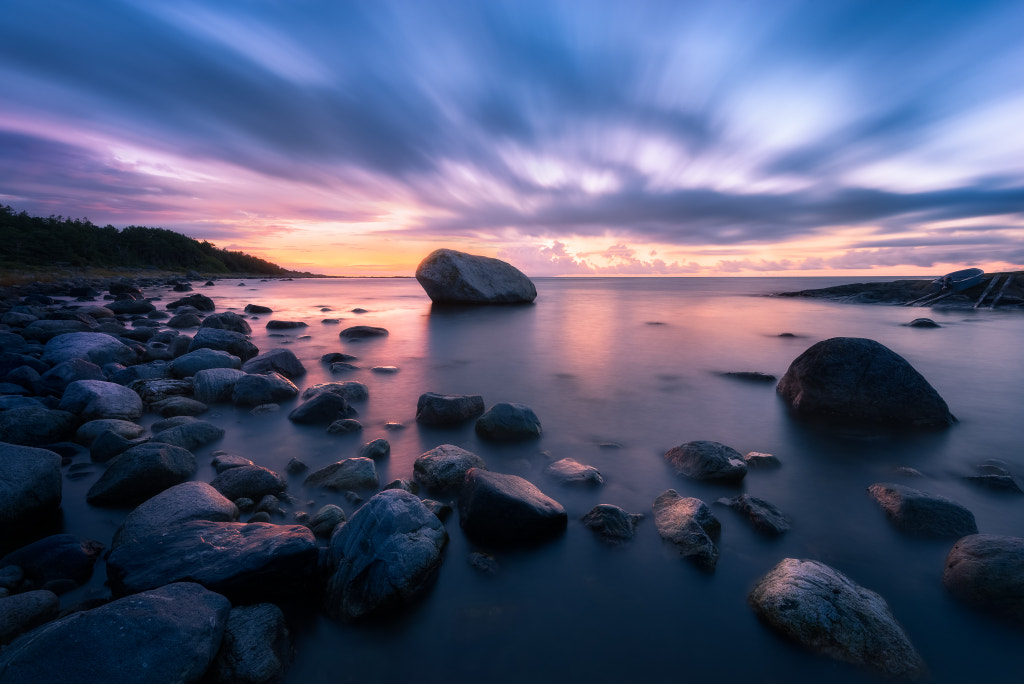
{"x":724,"y":137}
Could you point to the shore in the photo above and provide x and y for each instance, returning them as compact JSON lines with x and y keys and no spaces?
{"x":905,"y":292}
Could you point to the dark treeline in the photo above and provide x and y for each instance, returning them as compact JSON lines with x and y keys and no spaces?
{"x":33,"y":241}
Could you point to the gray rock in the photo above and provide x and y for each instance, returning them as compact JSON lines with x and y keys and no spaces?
{"x":406,"y":485}
{"x":444,"y":468}
{"x":24,"y":612}
{"x":448,"y":409}
{"x":222,"y":460}
{"x":171,"y":507}
{"x":245,"y":562}
{"x":93,"y":399}
{"x":499,"y":508}
{"x":384,"y":557}
{"x":570,"y":472}
{"x":359,"y":332}
{"x":281,"y":361}
{"x":227,"y":320}
{"x":256,"y":647}
{"x":323,"y":522}
{"x":257,"y":309}
{"x":859,"y":381}
{"x":765,"y":517}
{"x":199,"y":301}
{"x":451,"y":277}
{"x":171,"y":634}
{"x":710,"y":461}
{"x":179,"y":406}
{"x":756,"y":459}
{"x":185,"y":320}
{"x":89,"y":431}
{"x":825,"y":611}
{"x":44,"y":331}
{"x":110,"y":444}
{"x":923,"y":515}
{"x":344,"y":427}
{"x":324,"y":408}
{"x":152,"y":390}
{"x":190,"y":436}
{"x":253,"y":390}
{"x":351,"y":473}
{"x":986,"y":572}
{"x":214,"y":385}
{"x":30,"y":484}
{"x":350,"y":390}
{"x":232,"y":342}
{"x":189,"y":364}
{"x":57,"y":379}
{"x":249,"y":481}
{"x":334,"y":357}
{"x":97,"y":348}
{"x":508,"y":423}
{"x":141,"y":472}
{"x":56,"y":557}
{"x":131,"y":306}
{"x":922,"y":323}
{"x":286,"y":325}
{"x":343,"y":367}
{"x":376,"y":450}
{"x":611,"y":523}
{"x":690,"y":526}
{"x":35,"y":425}
{"x":173,"y":422}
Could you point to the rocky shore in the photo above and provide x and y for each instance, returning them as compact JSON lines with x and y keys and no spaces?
{"x":903,"y":292}
{"x":201,"y":575}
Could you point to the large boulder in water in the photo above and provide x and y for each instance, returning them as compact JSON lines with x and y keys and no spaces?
{"x":385,"y":556}
{"x":451,"y":277}
{"x":170,"y":634}
{"x":705,"y":460}
{"x":822,"y":609}
{"x":95,"y":399}
{"x":924,"y":515}
{"x":499,"y":508}
{"x":141,"y":472}
{"x":986,"y":571}
{"x":690,"y":526}
{"x":173,"y":506}
{"x":858,"y":381}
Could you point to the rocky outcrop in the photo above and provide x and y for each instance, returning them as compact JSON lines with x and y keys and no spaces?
{"x":709,"y":461}
{"x":444,"y":468}
{"x":690,"y":526}
{"x":384,"y":557}
{"x":857,"y":381}
{"x":30,"y":484}
{"x":823,"y":610}
{"x":986,"y":572}
{"x":508,"y":423}
{"x":451,"y":277}
{"x":499,"y":508}
{"x":448,"y":409}
{"x":923,"y":515}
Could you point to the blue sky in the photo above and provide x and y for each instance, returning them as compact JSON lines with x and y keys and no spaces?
{"x":569,"y":138}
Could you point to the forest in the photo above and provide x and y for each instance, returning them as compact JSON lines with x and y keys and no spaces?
{"x":32,"y":241}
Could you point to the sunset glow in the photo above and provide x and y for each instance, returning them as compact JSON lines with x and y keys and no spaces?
{"x":570,"y":138}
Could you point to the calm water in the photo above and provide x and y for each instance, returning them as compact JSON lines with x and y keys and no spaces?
{"x":634,"y":363}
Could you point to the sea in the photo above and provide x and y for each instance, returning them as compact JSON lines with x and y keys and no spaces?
{"x":619,"y":371}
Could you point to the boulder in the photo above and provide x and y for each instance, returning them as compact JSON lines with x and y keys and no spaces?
{"x":89,"y":431}
{"x":131,"y":306}
{"x":351,"y":390}
{"x":190,"y":436}
{"x":857,"y":381}
{"x":376,"y":449}
{"x":444,"y":468}
{"x":248,"y":481}
{"x":227,"y":320}
{"x":448,"y":409}
{"x":94,"y":399}
{"x":185,"y":320}
{"x":232,"y":342}
{"x":499,"y":508}
{"x":152,"y":390}
{"x":923,"y":515}
{"x":97,"y":348}
{"x":179,"y":406}
{"x":822,"y":609}
{"x":281,"y":361}
{"x":254,"y":390}
{"x":508,"y":423}
{"x":44,"y":331}
{"x":223,"y":460}
{"x":57,"y":379}
{"x":359,"y":332}
{"x":170,"y":634}
{"x":348,"y":474}
{"x":611,"y":523}
{"x":110,"y":444}
{"x":187,"y":365}
{"x":690,"y":526}
{"x":765,"y":517}
{"x":755,"y":459}
{"x":199,"y":301}
{"x":384,"y":557}
{"x":141,"y":472}
{"x":256,"y":647}
{"x":257,"y":309}
{"x":213,"y":385}
{"x":35,"y":425}
{"x":23,"y":612}
{"x":57,"y":557}
{"x":324,"y":408}
{"x":286,"y":325}
{"x":570,"y":472}
{"x":986,"y":572}
{"x":451,"y":277}
{"x":323,"y":522}
{"x":344,"y":426}
{"x":709,"y":461}
{"x":171,"y":507}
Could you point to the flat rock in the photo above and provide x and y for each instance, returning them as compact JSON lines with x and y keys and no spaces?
{"x":349,"y":474}
{"x":384,"y":557}
{"x":94,"y":399}
{"x":141,"y":472}
{"x":611,"y":523}
{"x":508,"y":423}
{"x":281,"y":361}
{"x":444,"y":468}
{"x":30,"y":484}
{"x":448,"y":409}
{"x":690,"y":526}
{"x":499,"y":508}
{"x":708,"y":461}
{"x":857,"y":381}
{"x":986,"y":572}
{"x":173,"y":506}
{"x":286,"y":325}
{"x":765,"y":517}
{"x":452,"y":277}
{"x":570,"y":472}
{"x":825,"y":611}
{"x":923,"y":515}
{"x":358,"y":332}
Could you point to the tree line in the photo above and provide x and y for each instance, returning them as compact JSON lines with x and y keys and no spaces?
{"x":33,"y":241}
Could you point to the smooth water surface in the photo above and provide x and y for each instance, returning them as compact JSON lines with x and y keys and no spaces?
{"x":619,"y":371}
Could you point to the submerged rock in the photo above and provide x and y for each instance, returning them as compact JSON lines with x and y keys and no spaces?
{"x":765,"y":517}
{"x":822,"y":609}
{"x":858,"y":381}
{"x":690,"y":526}
{"x":499,"y":508}
{"x":986,"y":572}
{"x":611,"y":523}
{"x":451,"y":277}
{"x":704,"y":460}
{"x":358,"y":332}
{"x":448,"y":409}
{"x":924,"y":515}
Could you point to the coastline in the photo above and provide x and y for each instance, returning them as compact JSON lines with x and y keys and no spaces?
{"x":905,"y":292}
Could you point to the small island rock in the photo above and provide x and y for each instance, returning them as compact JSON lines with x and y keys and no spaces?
{"x":451,"y":277}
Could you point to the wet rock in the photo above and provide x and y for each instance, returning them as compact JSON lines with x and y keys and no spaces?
{"x":344,"y":427}
{"x":23,"y":612}
{"x":350,"y":473}
{"x":89,"y":431}
{"x":215,"y":385}
{"x":508,"y":423}
{"x":281,"y":361}
{"x":189,"y":364}
{"x":570,"y":472}
{"x":923,"y":515}
{"x":295,"y":466}
{"x":922,"y":323}
{"x":337,"y":357}
{"x":190,"y":436}
{"x":825,"y":611}
{"x":153,"y":390}
{"x":245,"y":562}
{"x":750,"y":376}
{"x":222,"y":460}
{"x":986,"y":572}
{"x":257,"y":309}
{"x":57,"y":557}
{"x":359,"y":332}
{"x":384,"y":557}
{"x":30,"y":484}
{"x":451,"y":277}
{"x":343,"y":367}
{"x":233,"y":343}
{"x":253,"y":390}
{"x":690,"y":526}
{"x":377,"y":449}
{"x":174,"y":506}
{"x":249,"y":481}
{"x":756,"y":459}
{"x":352,"y":391}
{"x":199,"y":301}
{"x":227,"y":320}
{"x":141,"y":472}
{"x":44,"y":331}
{"x":611,"y":523}
{"x":323,"y":522}
{"x":499,"y":508}
{"x":256,"y":647}
{"x":184,"y":320}
{"x":94,"y":399}
{"x":386,"y":370}
{"x":709,"y":461}
{"x":171,"y":634}
{"x":286,"y":325}
{"x":484,"y":563}
{"x":405,"y":485}
{"x":35,"y":425}
{"x":110,"y":444}
{"x":765,"y":517}
{"x":444,"y":468}
{"x":57,"y":379}
{"x":324,"y":408}
{"x":448,"y":409}
{"x":179,"y":406}
{"x":860,"y":382}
